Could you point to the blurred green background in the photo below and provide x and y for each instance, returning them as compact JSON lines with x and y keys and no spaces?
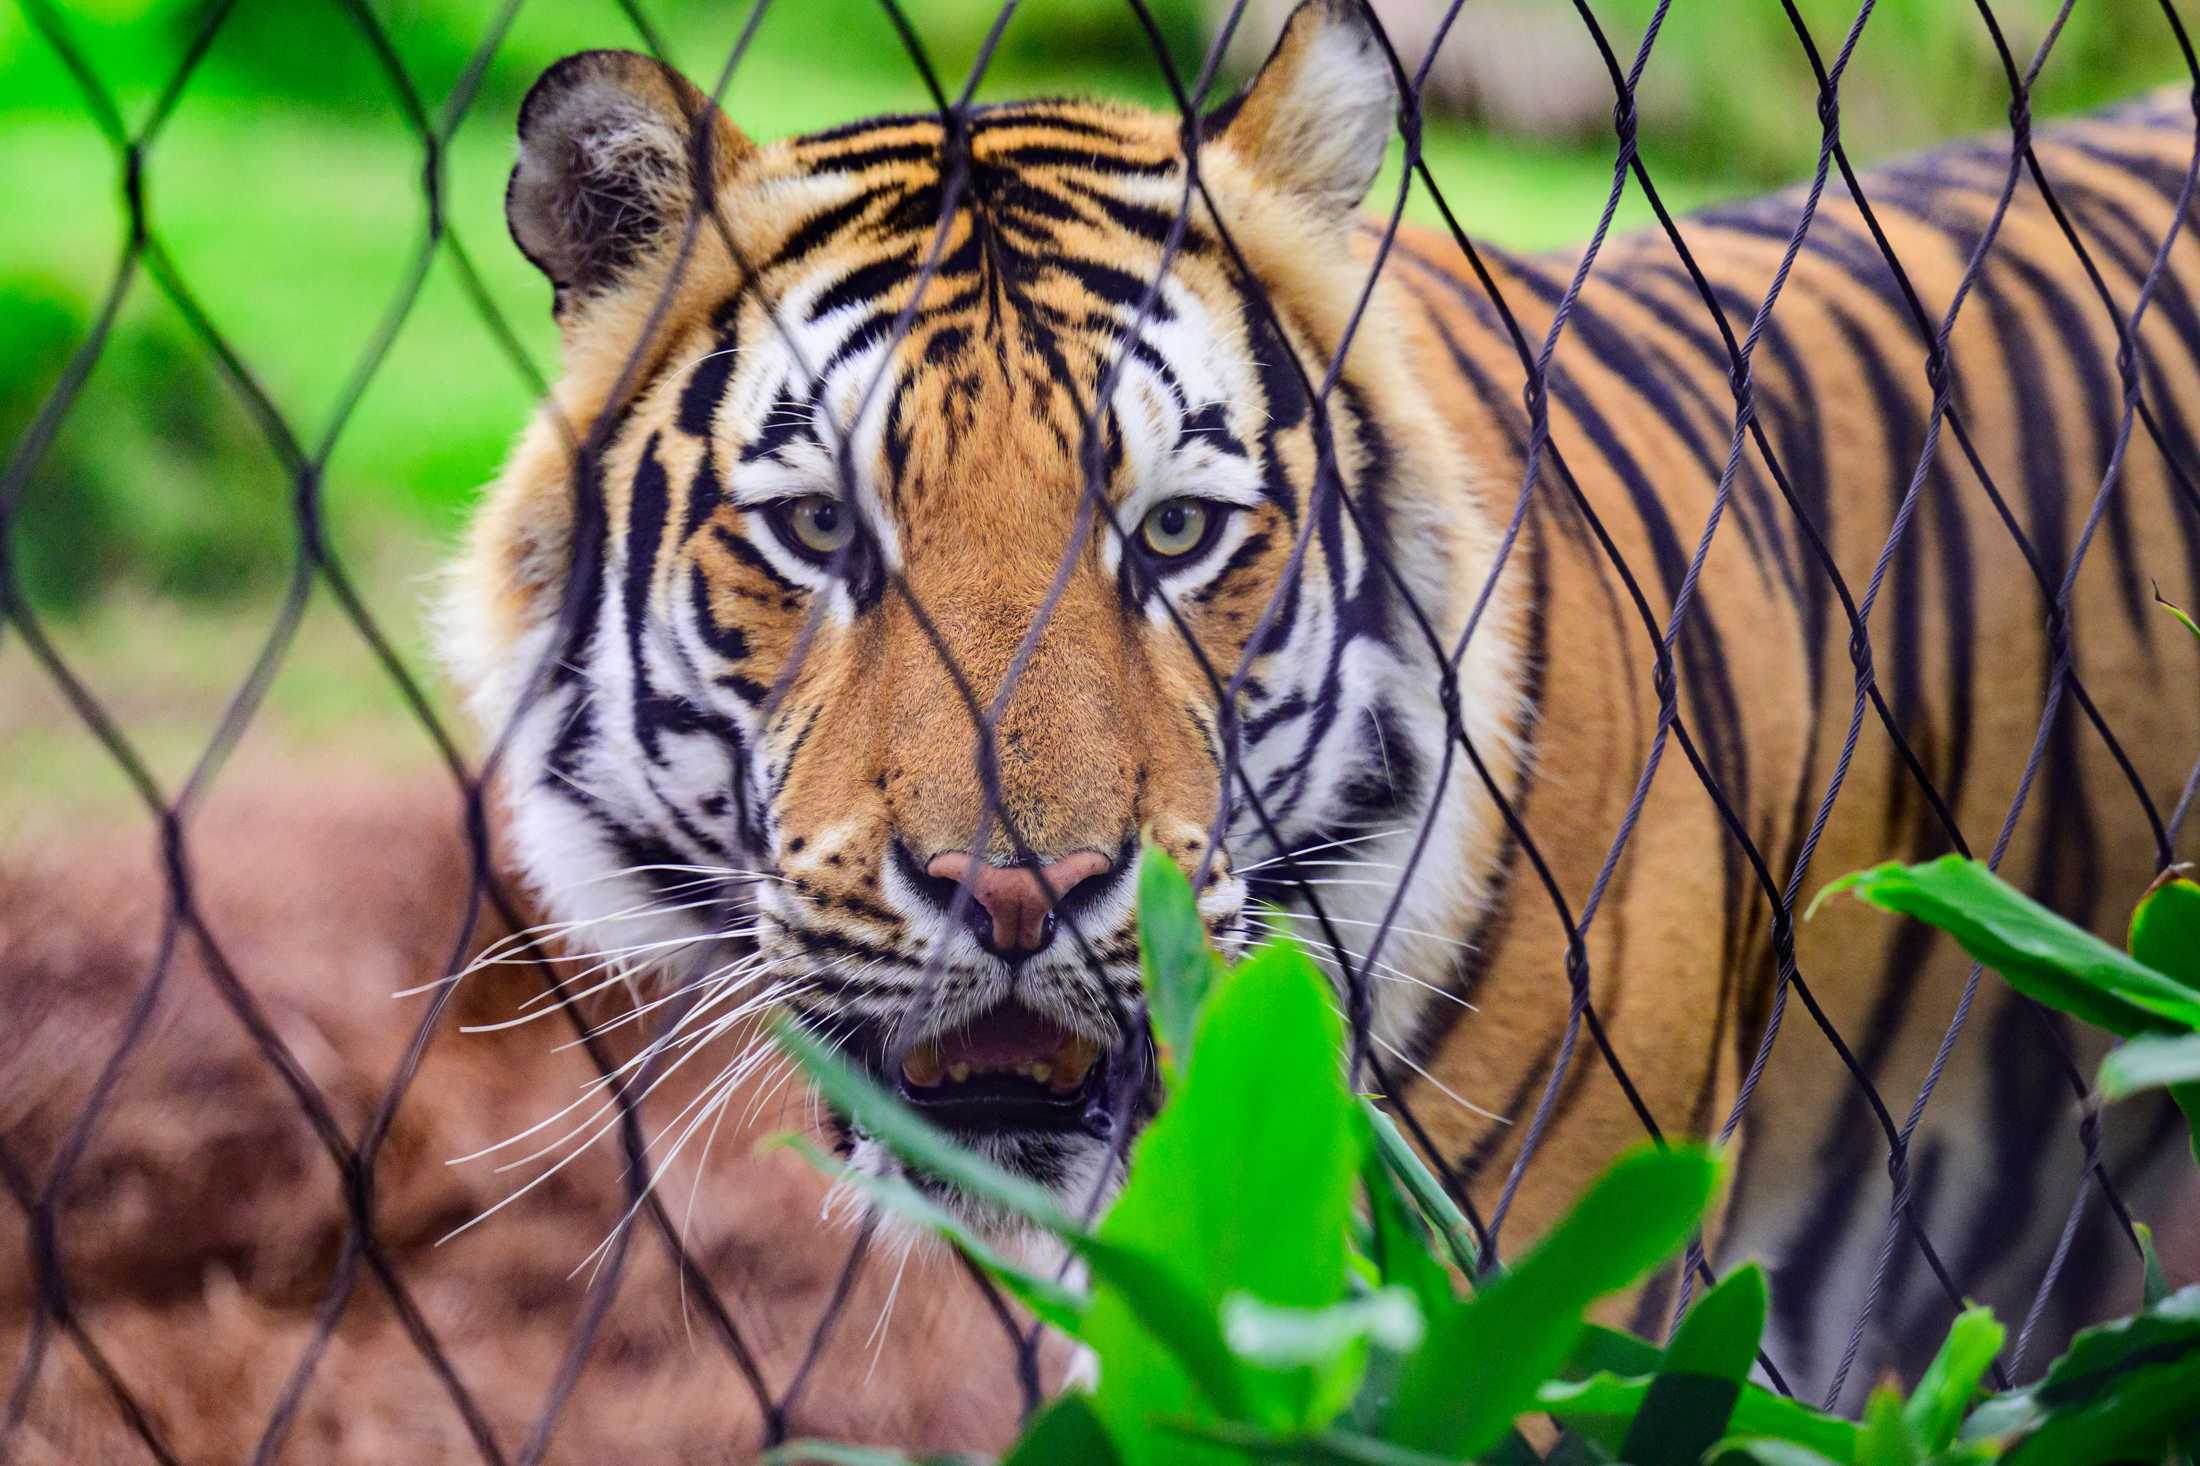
{"x":156,"y":532}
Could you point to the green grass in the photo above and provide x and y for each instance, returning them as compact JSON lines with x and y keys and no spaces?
{"x":165,"y":672}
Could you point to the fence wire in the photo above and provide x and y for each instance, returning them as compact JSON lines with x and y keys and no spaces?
{"x":1741,"y":328}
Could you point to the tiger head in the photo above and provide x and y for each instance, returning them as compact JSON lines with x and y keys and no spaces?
{"x":872,"y":439}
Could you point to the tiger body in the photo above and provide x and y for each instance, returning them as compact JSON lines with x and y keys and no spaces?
{"x":714,"y":674}
{"x":1681,"y":956}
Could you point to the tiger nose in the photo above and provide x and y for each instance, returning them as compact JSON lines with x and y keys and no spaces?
{"x":1017,"y":903}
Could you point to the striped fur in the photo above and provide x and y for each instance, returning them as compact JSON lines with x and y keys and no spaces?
{"x":686,"y":690}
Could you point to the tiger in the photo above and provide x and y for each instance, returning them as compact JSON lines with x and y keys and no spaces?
{"x":938,"y":510}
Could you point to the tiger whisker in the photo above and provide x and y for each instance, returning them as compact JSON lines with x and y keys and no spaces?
{"x":785,"y":1071}
{"x":877,"y":1337}
{"x":682,"y":1035}
{"x":693,"y":1027}
{"x":726,"y":1080}
{"x":594,"y":1087}
{"x":613,"y":964}
{"x":1448,"y":1092}
{"x":1406,"y":931}
{"x":1292,"y":883}
{"x":590,"y":954}
{"x":1329,"y":953}
{"x":623,"y":1101}
{"x":723,"y":978}
{"x":611,"y":956}
{"x":687,"y":1213}
{"x":727,"y":872}
{"x":722,"y":934}
{"x":1326,"y":845}
{"x":499,"y":952}
{"x":749,"y":1059}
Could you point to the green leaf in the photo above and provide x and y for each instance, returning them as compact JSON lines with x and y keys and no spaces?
{"x":1482,"y":1364}
{"x":1327,"y":1448}
{"x":1157,"y":1303}
{"x":2165,"y":934}
{"x":1147,"y":1292}
{"x":2098,"y":1357}
{"x":1179,"y":966}
{"x":2153,"y":1282}
{"x":834,"y":1453}
{"x":1719,"y":1336}
{"x":2138,"y":1421}
{"x":2150,"y":1061}
{"x":2124,"y":1391}
{"x":1428,"y":1193}
{"x":1886,"y":1440}
{"x":1695,"y":1389}
{"x":1944,"y":1395}
{"x":1768,"y":1451}
{"x":1399,"y":1243}
{"x":1283,"y":1337}
{"x":1571,"y":1450}
{"x":1612,"y":1352}
{"x":1066,"y":1433}
{"x":1060,"y":1306}
{"x":909,"y":1135}
{"x":2187,"y":1097}
{"x":1242,"y":1184}
{"x":1598,"y":1351}
{"x":1602,"y":1406}
{"x":2178,"y":611}
{"x":2039,"y":953}
{"x":2165,"y":928}
{"x":1333,"y":1344}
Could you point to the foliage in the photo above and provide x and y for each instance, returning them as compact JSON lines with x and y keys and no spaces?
{"x":1275,"y":1282}
{"x":2148,"y":994}
{"x":1737,"y":85}
{"x":208,"y":520}
{"x":2130,"y":1389}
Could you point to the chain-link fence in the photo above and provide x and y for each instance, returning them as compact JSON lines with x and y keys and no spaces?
{"x":2128,"y":277}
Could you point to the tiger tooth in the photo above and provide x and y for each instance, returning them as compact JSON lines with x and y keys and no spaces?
{"x":1073,"y":1060}
{"x":921,"y":1066}
{"x":958,"y":1072}
{"x":1040,"y":1072}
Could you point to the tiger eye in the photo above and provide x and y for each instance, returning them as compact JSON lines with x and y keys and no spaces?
{"x":1175,"y":527}
{"x":822,"y":523}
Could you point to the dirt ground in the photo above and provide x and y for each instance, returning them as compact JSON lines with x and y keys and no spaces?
{"x":202,"y":1227}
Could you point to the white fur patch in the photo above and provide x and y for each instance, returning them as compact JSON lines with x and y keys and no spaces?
{"x":1322,"y":108}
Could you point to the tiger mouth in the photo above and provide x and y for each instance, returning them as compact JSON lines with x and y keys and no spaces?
{"x":1009,"y":1069}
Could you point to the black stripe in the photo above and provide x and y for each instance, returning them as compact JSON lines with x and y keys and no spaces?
{"x":648,"y":507}
{"x":1650,"y":373}
{"x":2129,"y":248}
{"x":739,"y":547}
{"x":866,"y":282}
{"x":821,"y":226}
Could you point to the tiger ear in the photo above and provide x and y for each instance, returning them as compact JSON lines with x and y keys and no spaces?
{"x":612,"y":148}
{"x":1316,"y":119}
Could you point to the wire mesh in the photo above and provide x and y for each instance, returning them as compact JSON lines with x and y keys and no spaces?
{"x":1779,"y":877}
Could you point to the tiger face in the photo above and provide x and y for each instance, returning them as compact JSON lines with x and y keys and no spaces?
{"x":931,"y":514}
